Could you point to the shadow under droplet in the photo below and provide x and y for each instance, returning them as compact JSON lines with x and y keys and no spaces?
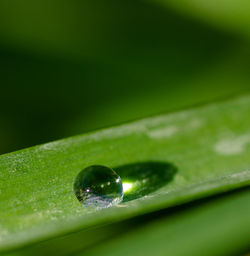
{"x":140,"y":179}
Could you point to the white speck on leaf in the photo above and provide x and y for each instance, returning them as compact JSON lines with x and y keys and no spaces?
{"x":232,"y":146}
{"x":195,"y":123}
{"x":164,"y":132}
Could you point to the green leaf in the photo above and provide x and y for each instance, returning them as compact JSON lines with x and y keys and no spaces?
{"x":209,"y":145}
{"x":230,"y":15}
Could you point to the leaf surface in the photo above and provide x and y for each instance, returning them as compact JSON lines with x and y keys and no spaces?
{"x":209,"y":145}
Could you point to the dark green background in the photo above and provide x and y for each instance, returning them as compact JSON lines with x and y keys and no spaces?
{"x":68,"y":67}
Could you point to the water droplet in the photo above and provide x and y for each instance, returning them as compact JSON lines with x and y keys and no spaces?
{"x":98,"y":187}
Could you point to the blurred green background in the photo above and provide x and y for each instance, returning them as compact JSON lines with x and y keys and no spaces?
{"x":68,"y":67}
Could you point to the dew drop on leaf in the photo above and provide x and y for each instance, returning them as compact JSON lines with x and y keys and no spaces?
{"x":98,"y":187}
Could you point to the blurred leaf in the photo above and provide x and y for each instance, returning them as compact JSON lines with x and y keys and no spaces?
{"x":216,"y":227}
{"x":71,"y":67}
{"x":209,"y":145}
{"x":230,"y":15}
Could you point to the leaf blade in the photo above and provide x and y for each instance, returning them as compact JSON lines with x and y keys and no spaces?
{"x":41,"y":178}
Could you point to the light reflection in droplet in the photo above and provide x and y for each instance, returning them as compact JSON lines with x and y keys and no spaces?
{"x":127,"y":186}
